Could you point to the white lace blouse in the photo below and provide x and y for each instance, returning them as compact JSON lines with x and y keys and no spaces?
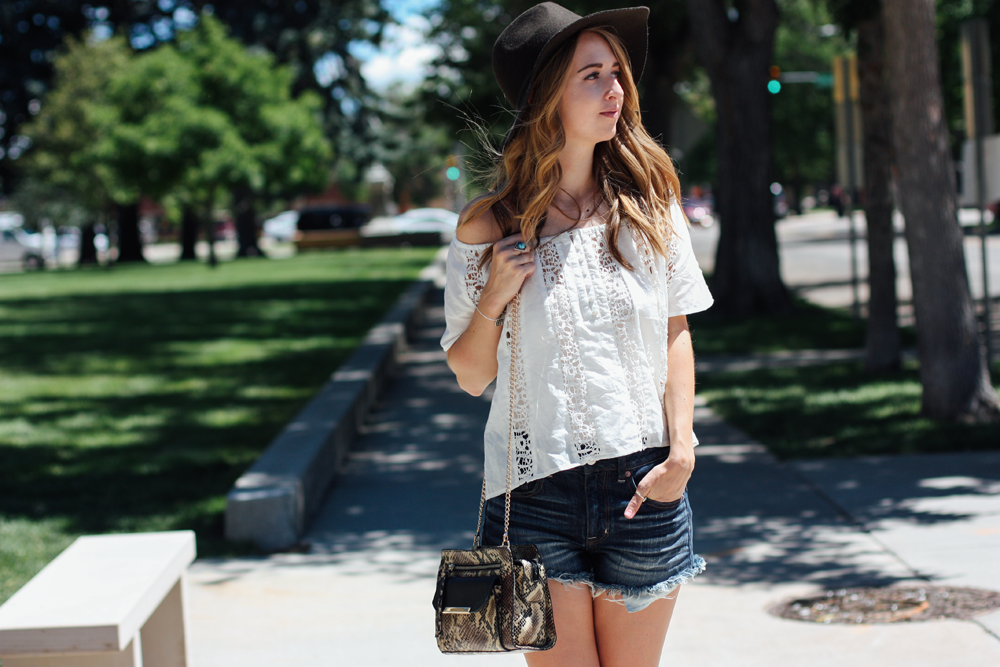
{"x":591,"y":365}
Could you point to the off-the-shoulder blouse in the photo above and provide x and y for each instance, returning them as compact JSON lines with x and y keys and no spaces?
{"x":590,"y":368}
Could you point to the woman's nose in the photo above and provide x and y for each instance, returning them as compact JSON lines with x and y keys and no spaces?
{"x":615,"y":90}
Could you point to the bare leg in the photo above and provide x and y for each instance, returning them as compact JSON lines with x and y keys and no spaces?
{"x":631,"y":640}
{"x":575,"y":644}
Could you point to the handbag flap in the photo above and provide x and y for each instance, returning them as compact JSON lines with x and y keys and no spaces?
{"x":468,"y":592}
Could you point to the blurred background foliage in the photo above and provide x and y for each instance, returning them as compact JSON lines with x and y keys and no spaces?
{"x":288,"y":74}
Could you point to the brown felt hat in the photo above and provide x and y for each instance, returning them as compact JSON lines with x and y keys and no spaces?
{"x":524,"y":46}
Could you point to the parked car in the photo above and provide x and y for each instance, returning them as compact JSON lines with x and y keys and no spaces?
{"x":330,"y":226}
{"x":19,"y":245}
{"x":282,"y":227}
{"x":437,"y":224}
{"x":318,"y":226}
{"x":325,"y":218}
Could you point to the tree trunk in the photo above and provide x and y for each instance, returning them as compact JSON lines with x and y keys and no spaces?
{"x":129,"y":239}
{"x":952,"y":368}
{"x":88,"y":251}
{"x":736,"y":51}
{"x":189,"y":234}
{"x":246,"y":223}
{"x":882,"y":345}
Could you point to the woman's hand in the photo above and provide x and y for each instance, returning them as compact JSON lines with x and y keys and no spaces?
{"x":473,"y":357}
{"x":666,"y":482}
{"x":509,"y":269}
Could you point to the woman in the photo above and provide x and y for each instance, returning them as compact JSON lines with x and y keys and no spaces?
{"x":583,"y":225}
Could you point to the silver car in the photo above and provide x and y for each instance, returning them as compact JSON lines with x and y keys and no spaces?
{"x":18,"y":245}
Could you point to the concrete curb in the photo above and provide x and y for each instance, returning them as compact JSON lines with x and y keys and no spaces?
{"x":273,"y":502}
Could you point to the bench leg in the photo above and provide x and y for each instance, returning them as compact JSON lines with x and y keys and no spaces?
{"x":130,"y":656}
{"x":163,"y":639}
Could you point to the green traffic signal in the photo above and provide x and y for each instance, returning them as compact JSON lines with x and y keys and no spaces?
{"x":774,"y":86}
{"x":452,"y":173}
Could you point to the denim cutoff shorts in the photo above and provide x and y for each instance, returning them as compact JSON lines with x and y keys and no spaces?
{"x":576,"y":518}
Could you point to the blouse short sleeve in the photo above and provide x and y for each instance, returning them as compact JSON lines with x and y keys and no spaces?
{"x":687,"y":291}
{"x":464,"y":281}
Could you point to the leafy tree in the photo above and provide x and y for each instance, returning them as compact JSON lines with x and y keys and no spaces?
{"x":63,"y":132}
{"x":194,"y":122}
{"x":953,"y":370}
{"x":314,"y":38}
{"x":285,"y":139}
{"x":206,"y":119}
{"x":158,"y":138}
{"x":31,"y":34}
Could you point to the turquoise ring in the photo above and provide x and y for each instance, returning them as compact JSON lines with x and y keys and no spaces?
{"x":521,"y":245}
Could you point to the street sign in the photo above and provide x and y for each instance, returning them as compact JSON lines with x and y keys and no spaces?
{"x":846,"y":97}
{"x":847,"y":110}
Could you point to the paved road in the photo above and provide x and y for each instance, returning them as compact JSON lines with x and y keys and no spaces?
{"x":816,"y":258}
{"x":361,"y":596}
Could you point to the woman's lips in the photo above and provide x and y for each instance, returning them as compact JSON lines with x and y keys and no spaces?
{"x":610,"y":114}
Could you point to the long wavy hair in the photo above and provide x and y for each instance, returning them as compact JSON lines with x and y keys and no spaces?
{"x":635,"y":175}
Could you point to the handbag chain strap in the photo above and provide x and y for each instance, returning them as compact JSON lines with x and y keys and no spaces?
{"x":513,"y":324}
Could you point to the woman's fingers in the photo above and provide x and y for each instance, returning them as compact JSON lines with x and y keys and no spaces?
{"x":633,"y":505}
{"x":508,"y":242}
{"x":511,"y":266}
{"x":661,"y":486}
{"x":507,"y":251}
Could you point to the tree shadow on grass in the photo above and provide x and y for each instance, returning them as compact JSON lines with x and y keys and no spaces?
{"x":837,"y":410}
{"x":137,"y":411}
{"x":806,"y":327}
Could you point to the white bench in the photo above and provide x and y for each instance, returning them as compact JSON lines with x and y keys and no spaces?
{"x":106,"y":601}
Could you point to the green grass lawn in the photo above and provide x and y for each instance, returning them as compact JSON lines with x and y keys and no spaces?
{"x":807,"y":327}
{"x":837,"y":410}
{"x":830,"y":410}
{"x":132,"y":398}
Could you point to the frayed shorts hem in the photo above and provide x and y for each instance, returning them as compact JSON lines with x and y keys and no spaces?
{"x":635,"y":598}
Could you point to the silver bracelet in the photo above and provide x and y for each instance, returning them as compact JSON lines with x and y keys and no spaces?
{"x":496,"y":322}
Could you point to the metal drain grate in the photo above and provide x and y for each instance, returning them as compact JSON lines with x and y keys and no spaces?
{"x":888,"y":605}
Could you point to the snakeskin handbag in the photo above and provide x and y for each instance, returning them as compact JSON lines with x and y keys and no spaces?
{"x":494,"y":599}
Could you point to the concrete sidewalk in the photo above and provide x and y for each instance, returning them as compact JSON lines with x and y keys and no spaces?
{"x":361,"y":594}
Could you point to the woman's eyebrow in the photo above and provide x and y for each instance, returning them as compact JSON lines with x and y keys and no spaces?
{"x":597,"y":65}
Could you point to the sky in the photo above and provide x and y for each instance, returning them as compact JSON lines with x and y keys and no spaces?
{"x":405,"y":52}
{"x":402,"y":58}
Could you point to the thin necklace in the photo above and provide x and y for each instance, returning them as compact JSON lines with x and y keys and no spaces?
{"x":584,"y":212}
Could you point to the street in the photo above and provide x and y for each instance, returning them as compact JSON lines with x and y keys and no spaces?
{"x":815,"y":255}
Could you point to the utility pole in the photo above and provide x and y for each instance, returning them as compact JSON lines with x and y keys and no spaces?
{"x":846,"y":95}
{"x":979,"y":125}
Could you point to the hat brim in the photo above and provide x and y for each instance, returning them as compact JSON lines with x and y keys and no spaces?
{"x":630,"y":24}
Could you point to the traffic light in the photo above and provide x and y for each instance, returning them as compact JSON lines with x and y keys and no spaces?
{"x":774,"y":85}
{"x":452,"y":173}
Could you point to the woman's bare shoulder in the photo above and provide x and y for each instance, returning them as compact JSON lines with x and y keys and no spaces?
{"x":481,"y":229}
